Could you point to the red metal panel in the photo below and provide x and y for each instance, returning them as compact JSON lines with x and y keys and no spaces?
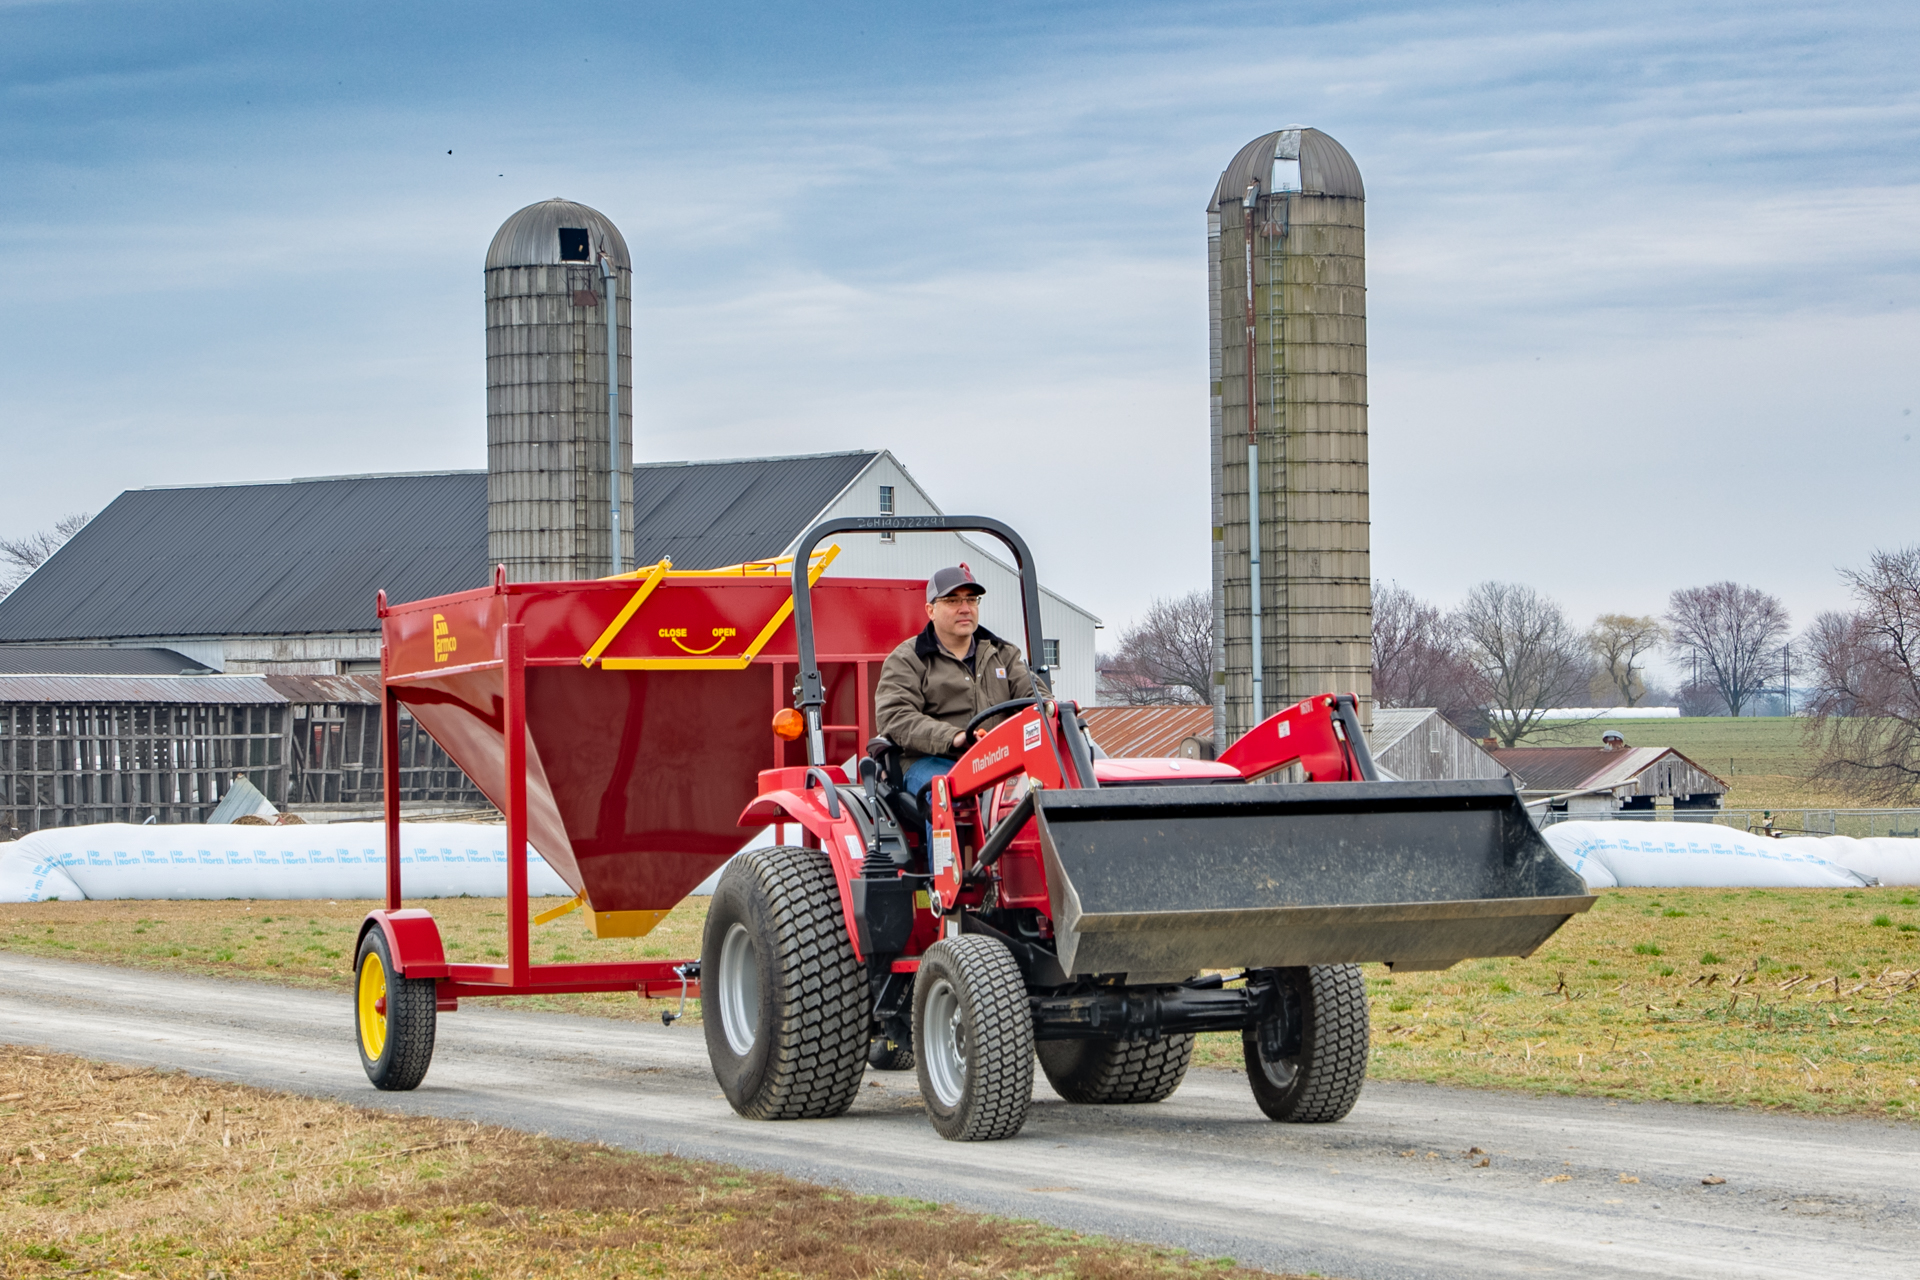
{"x":635,"y":779}
{"x":413,"y":940}
{"x":514,"y":722}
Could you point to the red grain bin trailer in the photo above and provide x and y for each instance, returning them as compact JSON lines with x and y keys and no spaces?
{"x":1041,"y":901}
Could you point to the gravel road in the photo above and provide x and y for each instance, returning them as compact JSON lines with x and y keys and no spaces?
{"x":1393,"y":1191}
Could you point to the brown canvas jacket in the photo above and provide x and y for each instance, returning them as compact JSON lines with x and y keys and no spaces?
{"x":926,"y":695}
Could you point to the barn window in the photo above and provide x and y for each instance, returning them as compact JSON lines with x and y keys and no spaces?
{"x":886,"y":509}
{"x":1050,"y":654}
{"x":573,"y":245}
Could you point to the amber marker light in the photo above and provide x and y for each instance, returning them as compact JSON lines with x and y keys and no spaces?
{"x":788,"y":724}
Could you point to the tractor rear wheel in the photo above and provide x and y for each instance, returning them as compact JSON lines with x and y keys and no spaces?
{"x":1323,"y":1062}
{"x":1116,"y":1071}
{"x":394,"y":1017}
{"x":783,"y":1000}
{"x":973,"y":1039}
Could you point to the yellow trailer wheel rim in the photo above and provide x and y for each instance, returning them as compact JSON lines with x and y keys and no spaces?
{"x":373,"y":1019}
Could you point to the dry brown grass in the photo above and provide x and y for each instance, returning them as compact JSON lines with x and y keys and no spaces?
{"x":113,"y":1172}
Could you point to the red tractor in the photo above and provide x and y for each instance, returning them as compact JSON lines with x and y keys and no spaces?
{"x":1043,"y":901}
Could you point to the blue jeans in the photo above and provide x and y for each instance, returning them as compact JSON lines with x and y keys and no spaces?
{"x":919,"y":781}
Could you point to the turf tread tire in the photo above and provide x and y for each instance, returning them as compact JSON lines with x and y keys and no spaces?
{"x":999,"y":1071}
{"x":890,"y":1055}
{"x":814,"y":1024}
{"x":1116,"y":1071}
{"x":1334,"y":1043}
{"x":413,"y":1015}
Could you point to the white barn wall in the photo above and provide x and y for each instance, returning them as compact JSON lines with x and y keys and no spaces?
{"x":917,"y":555}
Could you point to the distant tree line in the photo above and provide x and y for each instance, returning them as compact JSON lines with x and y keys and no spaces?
{"x":21,"y":556}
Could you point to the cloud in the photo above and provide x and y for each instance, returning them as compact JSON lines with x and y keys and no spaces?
{"x":1661,"y":257}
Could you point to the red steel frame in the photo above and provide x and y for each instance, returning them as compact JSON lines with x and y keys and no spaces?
{"x":415,"y":939}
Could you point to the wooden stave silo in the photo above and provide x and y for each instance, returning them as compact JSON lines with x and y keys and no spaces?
{"x":1311,"y":423}
{"x":548,"y":461}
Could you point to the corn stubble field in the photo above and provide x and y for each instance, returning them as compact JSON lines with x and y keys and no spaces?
{"x":113,"y":1172}
{"x":1807,"y":999}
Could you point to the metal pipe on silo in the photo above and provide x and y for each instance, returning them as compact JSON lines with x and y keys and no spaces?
{"x":1250,"y":202}
{"x":611,"y":278}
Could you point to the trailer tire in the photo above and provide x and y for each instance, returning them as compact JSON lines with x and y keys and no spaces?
{"x":784,"y":1002}
{"x":394,"y":1017}
{"x":1320,"y":1083}
{"x":1116,"y":1071}
{"x":888,"y":1054}
{"x":973,"y":1039}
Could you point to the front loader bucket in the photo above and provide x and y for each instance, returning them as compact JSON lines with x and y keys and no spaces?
{"x":1162,"y":882}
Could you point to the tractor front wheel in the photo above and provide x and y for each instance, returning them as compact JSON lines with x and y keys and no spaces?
{"x":1322,"y":1032}
{"x":973,"y":1039}
{"x":783,"y":999}
{"x":1116,"y":1071}
{"x":394,"y":1017}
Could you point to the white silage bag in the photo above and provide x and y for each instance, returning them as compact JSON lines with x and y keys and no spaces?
{"x":338,"y":860}
{"x":29,"y":873}
{"x":1689,"y":855}
{"x":1888,"y":859}
{"x":1580,"y":857}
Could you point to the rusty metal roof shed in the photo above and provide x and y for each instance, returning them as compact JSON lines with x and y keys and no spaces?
{"x":177,"y":690}
{"x":1147,"y":732}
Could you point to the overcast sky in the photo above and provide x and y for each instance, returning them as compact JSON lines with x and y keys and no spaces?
{"x":1642,"y":277}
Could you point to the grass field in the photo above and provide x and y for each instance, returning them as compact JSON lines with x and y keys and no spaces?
{"x":112,"y":1172}
{"x":1765,"y":760}
{"x":1800,"y":998}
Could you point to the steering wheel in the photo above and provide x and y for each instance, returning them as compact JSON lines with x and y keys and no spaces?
{"x":996,"y":709}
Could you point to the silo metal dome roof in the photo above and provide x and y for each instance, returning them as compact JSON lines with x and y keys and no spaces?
{"x":1325,"y":167}
{"x":531,"y":237}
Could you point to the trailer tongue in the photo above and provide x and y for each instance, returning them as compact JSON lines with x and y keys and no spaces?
{"x":1091,"y":914}
{"x":1168,"y":881}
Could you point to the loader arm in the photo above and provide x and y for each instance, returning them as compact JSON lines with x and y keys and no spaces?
{"x":1321,"y":734}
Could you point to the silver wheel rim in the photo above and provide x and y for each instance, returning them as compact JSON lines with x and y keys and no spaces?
{"x":739,"y":989}
{"x":944,"y":1048}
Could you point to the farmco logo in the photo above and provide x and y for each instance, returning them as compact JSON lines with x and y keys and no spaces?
{"x":992,"y":757}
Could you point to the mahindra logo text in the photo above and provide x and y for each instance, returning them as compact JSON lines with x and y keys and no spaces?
{"x":992,"y":757}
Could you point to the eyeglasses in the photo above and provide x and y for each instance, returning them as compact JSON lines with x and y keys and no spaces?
{"x":968,"y":597}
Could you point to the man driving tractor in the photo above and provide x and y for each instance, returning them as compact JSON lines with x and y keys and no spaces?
{"x":932,"y":684}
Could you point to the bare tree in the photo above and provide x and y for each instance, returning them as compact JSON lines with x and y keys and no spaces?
{"x":1167,"y":657}
{"x":1735,"y":632}
{"x":1866,"y":668}
{"x":1619,"y":640}
{"x":1528,"y":654}
{"x":1419,"y":660}
{"x":21,"y":556}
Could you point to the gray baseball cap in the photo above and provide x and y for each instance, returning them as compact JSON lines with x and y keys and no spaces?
{"x":945,"y":582}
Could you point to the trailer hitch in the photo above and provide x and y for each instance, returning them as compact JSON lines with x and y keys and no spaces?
{"x":686,"y":973}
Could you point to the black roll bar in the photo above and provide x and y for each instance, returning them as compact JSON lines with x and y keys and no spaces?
{"x":812,"y":689}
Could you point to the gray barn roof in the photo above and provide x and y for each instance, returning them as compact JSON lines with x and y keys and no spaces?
{"x":306,"y":556}
{"x":49,"y":660}
{"x":703,"y":515}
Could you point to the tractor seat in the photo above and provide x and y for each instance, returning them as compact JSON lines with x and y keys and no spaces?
{"x":903,"y":804}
